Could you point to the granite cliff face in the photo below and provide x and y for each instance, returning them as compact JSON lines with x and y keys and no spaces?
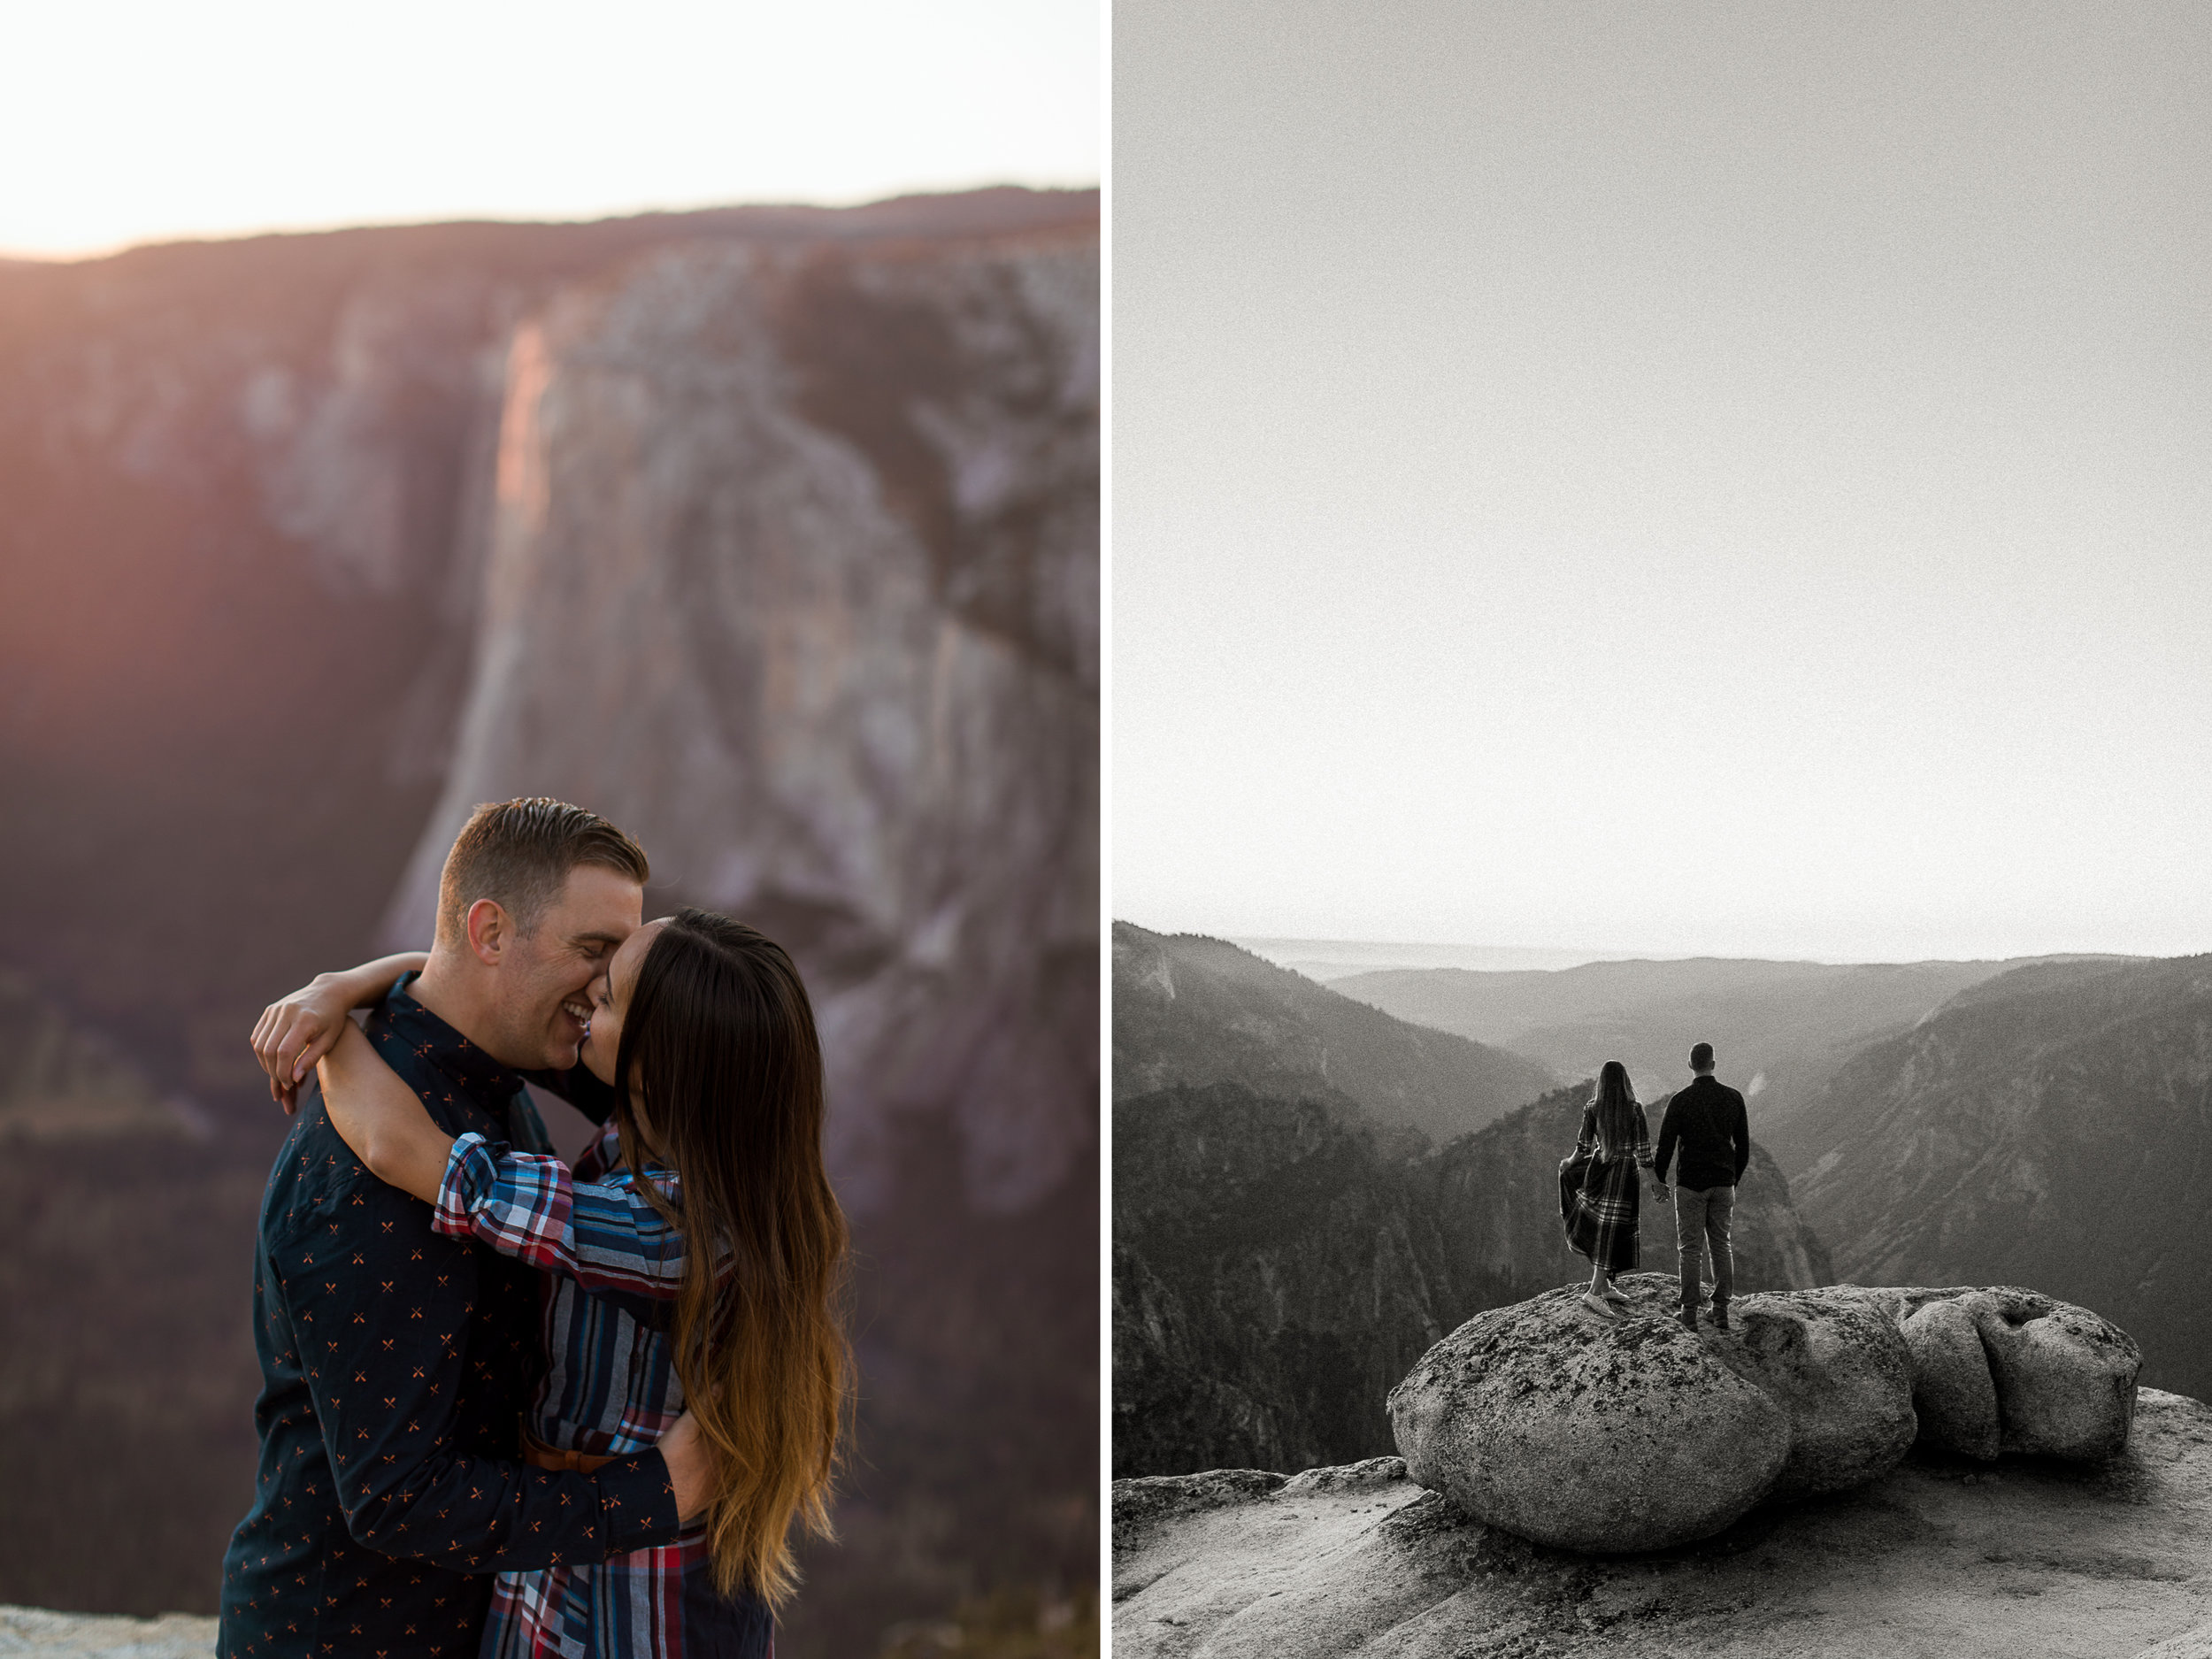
{"x":1276,"y":1266}
{"x":794,"y":573}
{"x":250,"y":492}
{"x":2051,"y":1127}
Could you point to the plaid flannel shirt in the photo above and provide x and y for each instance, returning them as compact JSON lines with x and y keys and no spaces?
{"x":1639,"y":1146}
{"x":1601,"y":1212}
{"x":612,"y":1266}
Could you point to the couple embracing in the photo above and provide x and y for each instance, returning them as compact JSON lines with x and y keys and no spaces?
{"x":1598,"y":1191}
{"x":517,"y":1407}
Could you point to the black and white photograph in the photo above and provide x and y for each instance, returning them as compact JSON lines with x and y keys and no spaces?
{"x":1659,"y":822}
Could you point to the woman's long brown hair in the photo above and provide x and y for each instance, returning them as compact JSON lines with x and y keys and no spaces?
{"x":1616,"y":1100}
{"x":718,"y":1042}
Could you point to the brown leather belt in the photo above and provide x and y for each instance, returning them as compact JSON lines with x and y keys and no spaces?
{"x":539,"y":1456}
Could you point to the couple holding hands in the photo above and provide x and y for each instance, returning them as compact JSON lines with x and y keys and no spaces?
{"x":1598,"y":1191}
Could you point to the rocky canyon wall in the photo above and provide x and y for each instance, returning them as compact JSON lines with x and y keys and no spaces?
{"x":1279,"y":1263}
{"x":793,"y":572}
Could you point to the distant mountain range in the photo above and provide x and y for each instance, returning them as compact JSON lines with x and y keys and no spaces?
{"x":1285,"y":1246}
{"x":1194,"y":1011}
{"x":2050,"y":1127}
{"x":1780,"y":1029}
{"x":2046,"y":1122}
{"x":1329,"y":960}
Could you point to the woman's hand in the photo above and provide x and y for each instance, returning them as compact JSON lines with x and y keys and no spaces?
{"x":690,"y":1467}
{"x":296,"y":1031}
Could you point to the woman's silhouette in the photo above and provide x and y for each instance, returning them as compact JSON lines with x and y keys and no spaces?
{"x":1598,"y":1190}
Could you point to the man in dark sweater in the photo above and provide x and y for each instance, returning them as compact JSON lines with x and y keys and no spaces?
{"x":1706,"y":1120}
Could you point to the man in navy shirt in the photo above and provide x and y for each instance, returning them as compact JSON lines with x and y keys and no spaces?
{"x":1708,"y":1122}
{"x":396,"y":1364}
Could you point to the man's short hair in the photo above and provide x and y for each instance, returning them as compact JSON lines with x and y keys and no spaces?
{"x":1701,"y":1057}
{"x":518,"y":853}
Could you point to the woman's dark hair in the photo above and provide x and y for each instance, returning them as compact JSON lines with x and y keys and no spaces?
{"x":1615,"y":1103}
{"x":719,"y":1050}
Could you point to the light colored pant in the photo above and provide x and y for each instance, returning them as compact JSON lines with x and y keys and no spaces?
{"x":1701,"y":1218}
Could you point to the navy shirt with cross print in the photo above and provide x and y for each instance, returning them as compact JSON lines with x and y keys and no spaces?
{"x":396,"y":1368}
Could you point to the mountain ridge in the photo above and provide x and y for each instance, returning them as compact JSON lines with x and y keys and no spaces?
{"x":1780,"y":1028}
{"x":1192,"y":1009}
{"x":2053,"y":1126}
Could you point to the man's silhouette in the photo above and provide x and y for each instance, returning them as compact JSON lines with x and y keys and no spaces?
{"x":1708,"y":1121}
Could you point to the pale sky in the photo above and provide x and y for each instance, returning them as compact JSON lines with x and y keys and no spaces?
{"x":146,"y":121}
{"x":1708,"y":478}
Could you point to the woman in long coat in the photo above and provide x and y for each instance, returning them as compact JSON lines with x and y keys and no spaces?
{"x":1598,"y":1196}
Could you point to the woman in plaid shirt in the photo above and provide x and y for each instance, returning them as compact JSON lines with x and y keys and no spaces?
{"x":716,"y":1142}
{"x":1601,"y":1207}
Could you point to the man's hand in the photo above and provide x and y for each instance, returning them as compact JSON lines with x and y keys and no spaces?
{"x":299,"y":1030}
{"x":690,"y":1465}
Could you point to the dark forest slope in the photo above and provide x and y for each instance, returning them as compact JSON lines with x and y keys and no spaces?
{"x":1276,"y":1268}
{"x":1194,"y":1011}
{"x":2052,"y":1128}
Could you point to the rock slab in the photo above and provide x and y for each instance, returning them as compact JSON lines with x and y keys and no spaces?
{"x":1937,"y":1558}
{"x":38,"y":1630}
{"x":1953,"y":1390}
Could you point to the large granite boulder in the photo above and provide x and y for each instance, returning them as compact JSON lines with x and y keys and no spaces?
{"x":1584,"y":1434}
{"x":1842,"y":1375}
{"x":1953,"y":1392}
{"x":2055,"y":1379}
{"x":2064,"y":1376}
{"x":1611,"y":1436}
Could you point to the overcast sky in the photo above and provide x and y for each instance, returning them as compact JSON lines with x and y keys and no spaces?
{"x":1689,"y":478}
{"x":148,"y":120}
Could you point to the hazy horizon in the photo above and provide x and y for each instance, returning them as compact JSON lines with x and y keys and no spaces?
{"x":1728,"y":481}
{"x":1370,"y":954}
{"x":253,"y":232}
{"x":156,"y":124}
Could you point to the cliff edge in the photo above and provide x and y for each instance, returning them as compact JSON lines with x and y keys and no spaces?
{"x":33,"y":1629}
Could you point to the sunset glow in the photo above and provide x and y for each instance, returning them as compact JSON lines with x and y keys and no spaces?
{"x":133,"y":122}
